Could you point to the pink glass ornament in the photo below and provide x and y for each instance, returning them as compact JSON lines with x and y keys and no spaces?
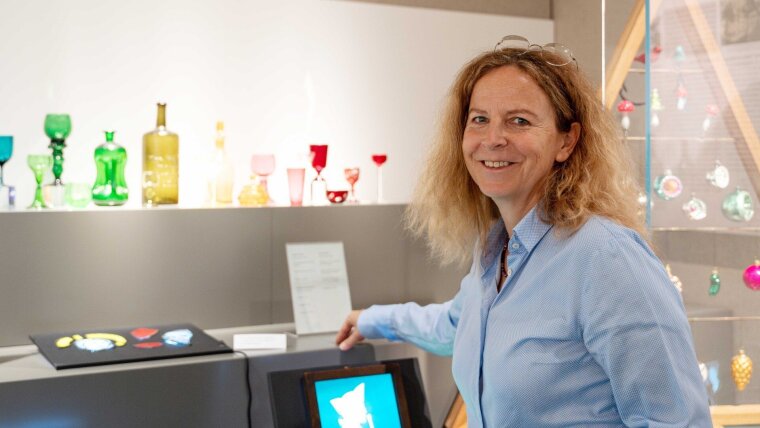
{"x":263,"y":166}
{"x":711,"y":110}
{"x":295,"y":185}
{"x":625,"y":107}
{"x":681,"y":93}
{"x":752,"y":276}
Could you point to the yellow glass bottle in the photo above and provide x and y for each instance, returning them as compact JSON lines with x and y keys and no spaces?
{"x":160,"y":183}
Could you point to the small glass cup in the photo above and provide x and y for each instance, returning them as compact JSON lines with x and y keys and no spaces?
{"x":78,"y":195}
{"x":337,"y":196}
{"x":295,"y":185}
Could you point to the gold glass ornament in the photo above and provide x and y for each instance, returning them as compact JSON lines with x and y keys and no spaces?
{"x":741,"y":370}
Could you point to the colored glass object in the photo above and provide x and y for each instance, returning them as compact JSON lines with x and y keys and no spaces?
{"x":379,"y":159}
{"x":295,"y":185}
{"x":352,"y":176}
{"x":711,"y":111}
{"x":695,"y":208}
{"x":57,"y":128}
{"x":253,"y":194}
{"x":337,"y":196}
{"x":714,"y":283}
{"x":7,"y":193}
{"x":161,"y":160}
{"x":668,"y":186}
{"x":738,"y":206}
{"x":741,"y":370}
{"x":221,"y":174}
{"x":110,"y":186}
{"x":751,"y":276}
{"x":318,"y":154}
{"x":263,"y":166}
{"x":39,"y":164}
{"x":681,"y":96}
{"x":181,"y":337}
{"x":148,"y":345}
{"x":78,"y":195}
{"x":624,"y":108}
{"x":718,"y":176}
{"x":143,"y":333}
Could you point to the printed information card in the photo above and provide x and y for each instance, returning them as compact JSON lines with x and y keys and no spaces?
{"x":318,"y":285}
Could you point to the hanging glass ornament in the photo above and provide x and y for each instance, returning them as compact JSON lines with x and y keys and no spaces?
{"x":679,"y":55}
{"x":625,"y":107}
{"x":752,"y":276}
{"x":709,"y":373}
{"x":668,"y":186}
{"x":718,"y":176}
{"x":681,"y":94}
{"x":711,"y":111}
{"x":738,"y":206}
{"x":642,"y":57}
{"x":656,"y":107}
{"x":674,"y":279}
{"x":714,"y":282}
{"x":741,"y":370}
{"x":695,"y":208}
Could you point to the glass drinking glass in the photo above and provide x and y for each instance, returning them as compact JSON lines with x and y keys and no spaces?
{"x":57,"y":128}
{"x":295,"y":185}
{"x":263,"y":166}
{"x":6,"y":151}
{"x":7,"y":193}
{"x":318,"y":153}
{"x":78,"y":195}
{"x":39,"y":164}
{"x":352,"y":176}
{"x":379,"y":159}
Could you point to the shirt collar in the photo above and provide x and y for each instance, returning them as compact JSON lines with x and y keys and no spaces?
{"x":528,"y":232}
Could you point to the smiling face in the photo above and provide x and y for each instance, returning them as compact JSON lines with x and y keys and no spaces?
{"x":511,"y":140}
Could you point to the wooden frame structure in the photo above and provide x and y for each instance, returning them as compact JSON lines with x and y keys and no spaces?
{"x":738,"y":122}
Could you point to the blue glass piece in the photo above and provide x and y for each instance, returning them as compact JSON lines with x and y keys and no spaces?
{"x":181,"y":337}
{"x":712,"y":369}
{"x":93,"y":345}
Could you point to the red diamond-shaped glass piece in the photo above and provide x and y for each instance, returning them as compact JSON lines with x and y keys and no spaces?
{"x":148,"y":345}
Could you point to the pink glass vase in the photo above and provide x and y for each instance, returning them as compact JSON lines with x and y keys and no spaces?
{"x":295,"y":185}
{"x":263,"y":166}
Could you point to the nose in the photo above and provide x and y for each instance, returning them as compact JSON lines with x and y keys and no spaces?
{"x":495,"y":137}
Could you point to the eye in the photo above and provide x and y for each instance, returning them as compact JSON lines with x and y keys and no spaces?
{"x":519,"y":121}
{"x":479,"y":119}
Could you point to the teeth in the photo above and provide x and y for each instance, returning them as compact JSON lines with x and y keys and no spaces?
{"x":492,"y":164}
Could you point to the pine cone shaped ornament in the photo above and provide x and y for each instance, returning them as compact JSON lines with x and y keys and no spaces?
{"x":741,"y":370}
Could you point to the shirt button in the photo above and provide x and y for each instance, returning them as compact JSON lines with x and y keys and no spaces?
{"x":509,"y":271}
{"x":515,"y":246}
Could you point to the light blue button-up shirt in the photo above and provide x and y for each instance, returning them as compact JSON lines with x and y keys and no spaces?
{"x":587,"y":331}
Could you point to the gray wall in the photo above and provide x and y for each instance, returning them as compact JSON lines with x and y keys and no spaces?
{"x":215,"y":268}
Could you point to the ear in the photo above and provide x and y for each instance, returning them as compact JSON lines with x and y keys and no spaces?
{"x":569,"y":140}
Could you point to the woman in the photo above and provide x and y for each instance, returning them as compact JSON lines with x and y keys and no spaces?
{"x":566,"y":318}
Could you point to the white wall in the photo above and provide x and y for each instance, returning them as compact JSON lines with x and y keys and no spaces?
{"x":360,"y":77}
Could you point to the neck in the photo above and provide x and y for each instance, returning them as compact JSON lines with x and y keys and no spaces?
{"x":512,"y":212}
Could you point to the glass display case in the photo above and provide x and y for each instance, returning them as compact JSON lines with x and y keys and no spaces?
{"x":686,"y":90}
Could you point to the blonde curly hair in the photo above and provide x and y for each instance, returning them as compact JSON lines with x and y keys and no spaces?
{"x":597,"y":178}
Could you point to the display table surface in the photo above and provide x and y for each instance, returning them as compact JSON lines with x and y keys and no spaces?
{"x":189,"y":391}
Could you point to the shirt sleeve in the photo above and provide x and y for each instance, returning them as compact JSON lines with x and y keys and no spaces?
{"x":634,"y":325}
{"x":431,"y":327}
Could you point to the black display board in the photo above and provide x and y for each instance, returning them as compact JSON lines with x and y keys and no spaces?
{"x":71,"y":356}
{"x":290,"y":407}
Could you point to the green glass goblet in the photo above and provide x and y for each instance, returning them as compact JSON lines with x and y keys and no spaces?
{"x":39,"y":164}
{"x":57,"y":128}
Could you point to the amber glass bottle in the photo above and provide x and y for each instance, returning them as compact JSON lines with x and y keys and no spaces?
{"x":160,"y":181}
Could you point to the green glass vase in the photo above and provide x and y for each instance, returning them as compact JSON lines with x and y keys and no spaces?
{"x":110,"y":188}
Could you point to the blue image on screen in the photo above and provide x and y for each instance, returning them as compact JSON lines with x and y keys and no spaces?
{"x":358,"y":402}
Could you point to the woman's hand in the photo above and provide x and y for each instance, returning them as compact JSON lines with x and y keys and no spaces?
{"x":349,"y":335}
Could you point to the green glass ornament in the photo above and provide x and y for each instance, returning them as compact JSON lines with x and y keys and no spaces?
{"x":110,"y":186}
{"x":714,"y":282}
